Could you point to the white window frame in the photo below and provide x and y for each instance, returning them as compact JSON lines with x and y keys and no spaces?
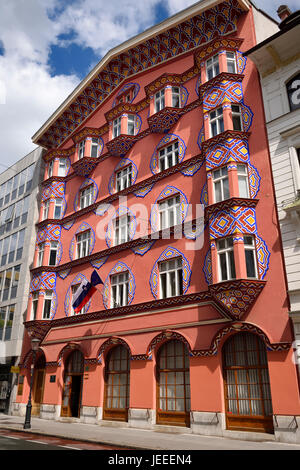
{"x":119,"y":284}
{"x":50,"y":168}
{"x":159,"y":100}
{"x":62,"y":167}
{"x":94,"y":145}
{"x":168,"y":156}
{"x":216,"y":117}
{"x":40,"y":255}
{"x":58,"y":203}
{"x":221,"y":181}
{"x":34,"y":305}
{"x":53,"y":248}
{"x":121,"y":229}
{"x":170,"y":278}
{"x":251,"y":248}
{"x":231,"y":59}
{"x":47,"y":303}
{"x":176,"y":97}
{"x":85,"y":197}
{"x":83,"y":243}
{"x":226,"y":253}
{"x":116,"y":127}
{"x":131,"y":119}
{"x":212,"y":67}
{"x":124,"y":178}
{"x":46,"y":207}
{"x":81,"y":149}
{"x":242,"y":173}
{"x":169,"y":211}
{"x":236,"y":112}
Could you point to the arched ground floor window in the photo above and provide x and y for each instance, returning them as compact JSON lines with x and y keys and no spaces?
{"x":173,"y":384}
{"x":117,"y":382}
{"x":247,"y":385}
{"x":72,"y":385}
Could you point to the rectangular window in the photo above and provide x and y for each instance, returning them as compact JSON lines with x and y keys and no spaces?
{"x":7,"y":283}
{"x":124,"y":178}
{"x":121,"y":229}
{"x":34,"y":305}
{"x":5,"y":249}
{"x":94,"y":148}
{"x":9,"y":322}
{"x":250,"y":256}
{"x":53,"y":253}
{"x":50,"y":168}
{"x":170,"y":278}
{"x":168,"y":156}
{"x":40,"y":256}
{"x":159,"y":101}
{"x":243,"y":181}
{"x":175,"y":97}
{"x":221,"y":184}
{"x":226,"y":259}
{"x":116,"y":131}
{"x":58,"y":208}
{"x":20,"y":244}
{"x":119,"y":289}
{"x":83,"y":241}
{"x":212,"y":67}
{"x":231,"y":62}
{"x":131,"y":124}
{"x":216,"y":122}
{"x":85,"y":198}
{"x":15,"y":282}
{"x":81,"y":149}
{"x":169,"y":212}
{"x":47,"y":305}
{"x":62,"y":167}
{"x":237,"y":121}
{"x":15,"y":187}
{"x":46,"y":207}
{"x":12,"y":248}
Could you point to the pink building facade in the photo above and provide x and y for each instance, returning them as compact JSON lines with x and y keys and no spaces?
{"x":190,"y":328}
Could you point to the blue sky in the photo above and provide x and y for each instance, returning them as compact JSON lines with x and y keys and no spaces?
{"x":48,"y":46}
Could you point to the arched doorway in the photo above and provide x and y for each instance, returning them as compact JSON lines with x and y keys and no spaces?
{"x":247,"y":384}
{"x":38,"y":385}
{"x":117,"y":382}
{"x":173,"y":384}
{"x":72,"y":385}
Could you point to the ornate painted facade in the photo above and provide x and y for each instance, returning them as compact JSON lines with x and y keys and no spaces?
{"x":172,"y":124}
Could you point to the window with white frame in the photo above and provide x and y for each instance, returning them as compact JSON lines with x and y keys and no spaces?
{"x":216,"y":122}
{"x":124,"y":178}
{"x":176,"y":97}
{"x":62,"y":167}
{"x":83,"y":242}
{"x":212,"y":67}
{"x":226,"y":259}
{"x":40,"y":256}
{"x":94,"y":147}
{"x":243,"y":180}
{"x":53,"y":253}
{"x":221,"y":184}
{"x":81,"y":148}
{"x":131,"y":124}
{"x":121,"y":229}
{"x":159,"y":101}
{"x":231,"y":62}
{"x":58,"y":206}
{"x":34,"y":305}
{"x":46,"y":207}
{"x":237,"y":120}
{"x":50,"y":168}
{"x":119,"y":289}
{"x":170,"y":278}
{"x":116,"y":128}
{"x":169,"y":212}
{"x":47,"y":304}
{"x":250,"y":256}
{"x":86,"y":197}
{"x":168,"y":156}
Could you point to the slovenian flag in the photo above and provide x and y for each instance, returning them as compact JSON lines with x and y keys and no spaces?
{"x":85,"y":291}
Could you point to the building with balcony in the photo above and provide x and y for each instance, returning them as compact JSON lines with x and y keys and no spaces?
{"x":191,"y":325}
{"x":19,"y":209}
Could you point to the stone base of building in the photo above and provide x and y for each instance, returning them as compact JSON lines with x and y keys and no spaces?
{"x":286,"y":428}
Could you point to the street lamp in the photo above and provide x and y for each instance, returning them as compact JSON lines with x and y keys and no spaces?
{"x":35,"y":342}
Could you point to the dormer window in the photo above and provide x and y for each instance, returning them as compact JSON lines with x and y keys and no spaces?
{"x":116,"y":130}
{"x":212,"y":67}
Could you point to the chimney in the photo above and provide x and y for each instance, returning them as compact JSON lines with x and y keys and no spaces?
{"x":283,"y":12}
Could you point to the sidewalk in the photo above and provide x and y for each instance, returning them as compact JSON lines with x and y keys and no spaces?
{"x":140,"y":439}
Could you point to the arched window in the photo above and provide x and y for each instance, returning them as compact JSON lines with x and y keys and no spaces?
{"x":173,"y":384}
{"x":73,"y":385}
{"x":293,"y":91}
{"x":247,"y":384}
{"x":117,"y":381}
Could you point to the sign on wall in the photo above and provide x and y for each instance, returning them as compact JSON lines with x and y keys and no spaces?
{"x":293,"y":90}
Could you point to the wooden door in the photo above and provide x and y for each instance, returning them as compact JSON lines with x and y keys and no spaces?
{"x":38,"y":391}
{"x":71,"y":399}
{"x":117,"y":381}
{"x":247,"y":384}
{"x":173,"y":385}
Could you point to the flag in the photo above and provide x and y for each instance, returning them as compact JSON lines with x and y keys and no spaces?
{"x":85,"y":291}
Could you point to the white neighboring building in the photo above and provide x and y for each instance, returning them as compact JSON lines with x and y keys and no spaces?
{"x":19,"y":193}
{"x":278,"y":61}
